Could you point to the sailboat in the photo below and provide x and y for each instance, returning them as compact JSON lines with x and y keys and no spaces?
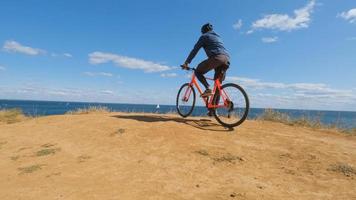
{"x":157,"y":107}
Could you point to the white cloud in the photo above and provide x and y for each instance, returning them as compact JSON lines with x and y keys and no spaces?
{"x":351,"y":38}
{"x":296,"y":95}
{"x":314,"y":89}
{"x":126,"y":62}
{"x":349,"y":16}
{"x":109,"y":92}
{"x":237,"y":25}
{"x":90,"y":73}
{"x":284,"y":22}
{"x":33,"y":90}
{"x":269,"y":39}
{"x":126,"y":95}
{"x":249,"y":32}
{"x":58,"y":94}
{"x":105,"y":74}
{"x":13,"y":46}
{"x":168,"y":75}
{"x":255,"y":83}
{"x":98,"y":74}
{"x":268,"y":95}
{"x":16,"y":47}
{"x":68,"y":55}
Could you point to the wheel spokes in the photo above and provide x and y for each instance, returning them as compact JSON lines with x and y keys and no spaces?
{"x":232,"y":105}
{"x":185,"y":100}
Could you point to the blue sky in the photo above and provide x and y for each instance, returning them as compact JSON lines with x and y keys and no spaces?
{"x":287,"y":54}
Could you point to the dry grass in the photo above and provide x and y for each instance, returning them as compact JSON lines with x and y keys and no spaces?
{"x":14,"y":158}
{"x":83,"y":158}
{"x":219,"y":157}
{"x":274,"y":116}
{"x":89,"y":110}
{"x":227,"y":158}
{"x":304,"y":121}
{"x":343,"y":168}
{"x":350,"y":131}
{"x":45,"y":152}
{"x":10,"y":116}
{"x":29,"y":169}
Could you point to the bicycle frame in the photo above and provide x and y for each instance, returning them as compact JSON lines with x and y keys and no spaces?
{"x":209,"y":103}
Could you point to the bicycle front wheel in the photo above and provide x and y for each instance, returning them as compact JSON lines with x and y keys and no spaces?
{"x":185,"y":100}
{"x":232,"y":105}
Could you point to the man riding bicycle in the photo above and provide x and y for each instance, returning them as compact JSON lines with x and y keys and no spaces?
{"x":218,"y":57}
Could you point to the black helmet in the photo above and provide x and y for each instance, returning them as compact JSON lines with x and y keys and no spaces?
{"x":206,"y":28}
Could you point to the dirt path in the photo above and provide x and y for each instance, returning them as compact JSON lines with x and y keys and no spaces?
{"x":146,"y":156}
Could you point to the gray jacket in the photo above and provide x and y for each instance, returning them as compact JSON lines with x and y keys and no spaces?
{"x":212,"y":45}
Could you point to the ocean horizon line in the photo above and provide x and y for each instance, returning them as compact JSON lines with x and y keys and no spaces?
{"x":152,"y":104}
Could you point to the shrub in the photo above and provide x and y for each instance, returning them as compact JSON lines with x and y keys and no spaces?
{"x":304,"y":121}
{"x":89,"y":110}
{"x":10,"y":116}
{"x":274,"y":116}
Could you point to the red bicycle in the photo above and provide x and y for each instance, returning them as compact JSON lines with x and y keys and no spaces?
{"x":229,"y":103}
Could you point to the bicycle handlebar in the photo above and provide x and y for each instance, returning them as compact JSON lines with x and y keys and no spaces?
{"x":187,"y":68}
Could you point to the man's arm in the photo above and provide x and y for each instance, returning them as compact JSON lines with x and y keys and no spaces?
{"x":195,"y":50}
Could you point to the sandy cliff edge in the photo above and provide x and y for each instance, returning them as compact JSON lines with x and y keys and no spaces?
{"x":151,"y":156}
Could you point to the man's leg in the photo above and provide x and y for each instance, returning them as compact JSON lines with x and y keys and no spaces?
{"x":221,"y":69}
{"x":220,"y":73}
{"x":202,"y":69}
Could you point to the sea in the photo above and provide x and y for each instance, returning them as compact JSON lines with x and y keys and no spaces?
{"x":342,"y":119}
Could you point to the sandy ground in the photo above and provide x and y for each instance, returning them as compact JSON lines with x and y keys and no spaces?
{"x":147,"y":156}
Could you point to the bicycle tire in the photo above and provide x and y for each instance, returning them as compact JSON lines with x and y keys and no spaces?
{"x":245,"y":114}
{"x":178,"y":99}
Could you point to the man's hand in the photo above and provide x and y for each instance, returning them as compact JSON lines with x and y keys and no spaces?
{"x":184,"y":66}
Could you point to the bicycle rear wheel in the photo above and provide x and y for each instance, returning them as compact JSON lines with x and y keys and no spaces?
{"x":185,"y":100}
{"x":233,"y":105}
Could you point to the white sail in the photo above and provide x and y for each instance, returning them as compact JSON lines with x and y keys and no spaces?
{"x":157,"y":106}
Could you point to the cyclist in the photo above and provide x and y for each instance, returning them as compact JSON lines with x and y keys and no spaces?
{"x":218,"y":57}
